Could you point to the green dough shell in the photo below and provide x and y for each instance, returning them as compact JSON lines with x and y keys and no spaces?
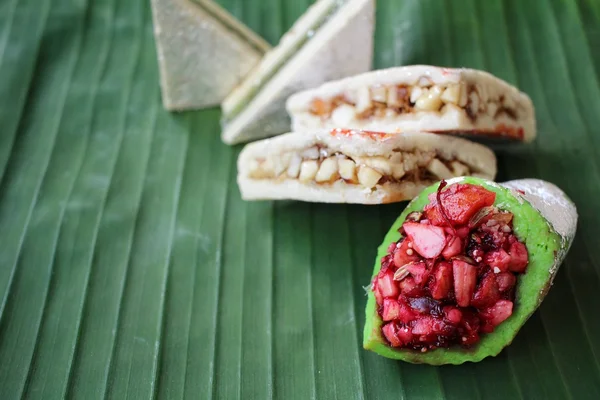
{"x":546,"y":249}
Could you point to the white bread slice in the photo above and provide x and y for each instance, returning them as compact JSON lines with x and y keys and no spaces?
{"x":341,"y":47}
{"x":203,"y":52}
{"x":268,"y":169}
{"x":498,"y":110}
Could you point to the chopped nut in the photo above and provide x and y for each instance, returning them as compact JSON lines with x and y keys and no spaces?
{"x":311,"y":153}
{"x":410,"y":161}
{"x":424,"y":158}
{"x":473,"y":103}
{"x":459,"y":169}
{"x":424,"y":81}
{"x":415,"y":93}
{"x":281,"y":163}
{"x":492,"y":109}
{"x":261,"y":169}
{"x":379,"y":93}
{"x":451,"y":108}
{"x":363,"y":101}
{"x":308,"y":170}
{"x":451,"y":94}
{"x":398,"y":171}
{"x":438,"y":168}
{"x":393,"y":100}
{"x":328,"y":170}
{"x":294,"y":167}
{"x":508,"y":102}
{"x":347,"y":169}
{"x":463,"y":95}
{"x":483,"y":93}
{"x":380,"y":164}
{"x":429,"y":100}
{"x":343,"y":115}
{"x":368,"y":177}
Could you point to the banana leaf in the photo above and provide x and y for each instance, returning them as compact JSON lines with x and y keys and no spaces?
{"x":131,"y":268}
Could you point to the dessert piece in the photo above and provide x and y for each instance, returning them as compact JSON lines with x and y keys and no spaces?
{"x":332,"y":40}
{"x":203,"y":52}
{"x":464,"y":267}
{"x":418,"y":97}
{"x":344,"y":166}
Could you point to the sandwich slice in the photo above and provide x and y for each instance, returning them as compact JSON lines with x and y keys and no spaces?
{"x":418,"y":97}
{"x":203,"y":52}
{"x":344,"y":166}
{"x":332,"y":40}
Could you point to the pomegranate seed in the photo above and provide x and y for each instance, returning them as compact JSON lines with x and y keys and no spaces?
{"x":442,"y":282}
{"x":518,"y":257}
{"x":465,"y":279}
{"x":428,"y":240}
{"x":498,"y":259}
{"x":505,"y":281}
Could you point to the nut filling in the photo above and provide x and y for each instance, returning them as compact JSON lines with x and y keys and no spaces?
{"x":388,"y":101}
{"x":321,"y":165}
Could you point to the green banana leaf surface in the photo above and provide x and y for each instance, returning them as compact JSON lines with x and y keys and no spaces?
{"x":131,"y":268}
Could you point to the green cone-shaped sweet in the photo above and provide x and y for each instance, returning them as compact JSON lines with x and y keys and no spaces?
{"x":544,"y":219}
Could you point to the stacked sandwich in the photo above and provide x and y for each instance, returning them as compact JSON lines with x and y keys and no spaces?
{"x":360,"y":137}
{"x":384,"y":136}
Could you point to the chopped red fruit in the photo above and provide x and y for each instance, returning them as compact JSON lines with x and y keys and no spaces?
{"x":391,"y":310}
{"x":459,"y":202}
{"x":404,"y":334}
{"x":405,"y":254}
{"x":455,"y":268}
{"x":465,"y":279}
{"x":498,"y":313}
{"x":428,"y":240}
{"x":442,"y":281}
{"x":497,"y":259}
{"x":423,"y":326}
{"x":405,"y":313}
{"x":390,"y":331}
{"x":505,"y":281}
{"x":518,"y":257}
{"x":386,"y":285}
{"x":453,"y":247}
{"x":453,"y":315}
{"x":462,"y":232}
{"x":409,"y":287}
{"x":418,"y":270}
{"x":487,"y":292}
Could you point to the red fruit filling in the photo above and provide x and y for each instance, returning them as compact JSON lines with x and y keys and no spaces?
{"x":452,"y":275}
